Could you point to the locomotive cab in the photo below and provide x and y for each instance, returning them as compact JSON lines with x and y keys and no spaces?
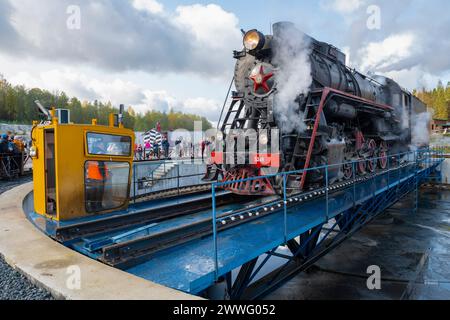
{"x":80,"y":170}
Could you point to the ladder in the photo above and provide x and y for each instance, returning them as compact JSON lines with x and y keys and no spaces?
{"x":232,"y":116}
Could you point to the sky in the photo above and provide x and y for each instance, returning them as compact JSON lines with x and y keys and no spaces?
{"x":177,"y":55}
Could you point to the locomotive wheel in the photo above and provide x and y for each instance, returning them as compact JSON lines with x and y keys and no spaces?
{"x":371,"y":163}
{"x":382,"y":162}
{"x":362,"y":167}
{"x":348,"y":171}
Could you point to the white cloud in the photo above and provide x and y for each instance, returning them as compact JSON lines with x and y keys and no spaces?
{"x":158,"y":101}
{"x":117,"y":91}
{"x":117,"y":36}
{"x":151,"y":6}
{"x":211,"y":26}
{"x":380,"y":55}
{"x":414,"y":78}
{"x":207,"y":107}
{"x":83,"y":87}
{"x":165,"y":102}
{"x":343,"y":6}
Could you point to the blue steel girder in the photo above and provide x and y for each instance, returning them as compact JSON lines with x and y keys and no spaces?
{"x":309,"y":250}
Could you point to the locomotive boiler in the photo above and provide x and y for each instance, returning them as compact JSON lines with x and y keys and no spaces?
{"x":343,"y":117}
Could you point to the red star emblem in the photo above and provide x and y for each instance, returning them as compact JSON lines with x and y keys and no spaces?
{"x":260,"y":80}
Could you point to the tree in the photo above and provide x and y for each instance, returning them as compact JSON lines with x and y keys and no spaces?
{"x":17,"y":104}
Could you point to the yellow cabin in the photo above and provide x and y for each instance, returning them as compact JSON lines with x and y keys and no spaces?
{"x":81,"y":170}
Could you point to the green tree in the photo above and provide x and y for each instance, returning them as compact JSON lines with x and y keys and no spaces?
{"x":17,"y":104}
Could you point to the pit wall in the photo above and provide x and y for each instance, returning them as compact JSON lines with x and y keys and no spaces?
{"x":52,"y":266}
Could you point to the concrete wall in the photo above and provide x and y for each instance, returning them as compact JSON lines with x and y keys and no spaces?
{"x":46,"y":262}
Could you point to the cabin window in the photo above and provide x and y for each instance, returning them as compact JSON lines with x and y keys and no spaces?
{"x":108,"y":145}
{"x":106,"y":185}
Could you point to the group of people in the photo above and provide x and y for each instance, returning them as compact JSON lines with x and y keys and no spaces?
{"x":149,"y":151}
{"x":181,"y":149}
{"x":161,"y":149}
{"x":10,"y":144}
{"x":185,"y":149}
{"x":11,"y":154}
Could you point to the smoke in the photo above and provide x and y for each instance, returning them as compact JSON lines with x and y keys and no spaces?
{"x":291,"y":56}
{"x":420,"y":134}
{"x":405,"y":119}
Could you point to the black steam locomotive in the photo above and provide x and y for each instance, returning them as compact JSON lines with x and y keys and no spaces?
{"x":342,"y":117}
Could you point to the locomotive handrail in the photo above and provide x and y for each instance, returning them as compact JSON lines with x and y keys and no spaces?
{"x":225,"y":103}
{"x":428,"y":152}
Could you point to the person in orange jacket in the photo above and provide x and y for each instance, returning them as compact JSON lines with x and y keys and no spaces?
{"x":96,"y":177}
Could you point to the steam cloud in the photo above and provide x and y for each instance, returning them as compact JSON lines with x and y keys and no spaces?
{"x":420,"y":134}
{"x":293,"y":78}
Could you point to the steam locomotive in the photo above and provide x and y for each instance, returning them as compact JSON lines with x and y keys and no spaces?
{"x":344,"y":117}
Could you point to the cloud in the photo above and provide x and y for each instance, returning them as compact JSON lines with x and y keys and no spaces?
{"x":151,"y":6}
{"x":411,"y":38}
{"x":119,"y":35}
{"x":158,"y":101}
{"x":9,"y":38}
{"x":208,"y":108}
{"x":384,"y":54}
{"x":342,"y":6}
{"x":165,"y":102}
{"x":414,"y":77}
{"x":117,"y":91}
{"x":86,"y":88}
{"x":210,"y":26}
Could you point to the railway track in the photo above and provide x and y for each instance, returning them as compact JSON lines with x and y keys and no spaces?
{"x":140,"y":217}
{"x":175,"y":192}
{"x":131,"y":252}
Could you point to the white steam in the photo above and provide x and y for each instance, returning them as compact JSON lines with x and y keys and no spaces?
{"x":293,"y":78}
{"x":420,"y":134}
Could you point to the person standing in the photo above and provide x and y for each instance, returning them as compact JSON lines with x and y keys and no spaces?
{"x":203,"y":150}
{"x":178,"y":148}
{"x":140,"y":152}
{"x":147,"y":147}
{"x":166,"y":146}
{"x":3,"y":153}
{"x":156,"y":150}
{"x":4,"y":143}
{"x":96,"y":176}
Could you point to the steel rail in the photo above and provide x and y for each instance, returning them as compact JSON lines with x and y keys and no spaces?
{"x":118,"y":222}
{"x":128,"y":253}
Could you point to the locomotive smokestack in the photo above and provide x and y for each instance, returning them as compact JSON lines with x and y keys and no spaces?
{"x":280,"y":27}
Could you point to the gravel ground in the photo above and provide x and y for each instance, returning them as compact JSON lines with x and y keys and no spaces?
{"x":6,"y":185}
{"x":13,"y":285}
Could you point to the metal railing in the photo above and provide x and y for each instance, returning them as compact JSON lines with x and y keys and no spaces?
{"x":411,"y":160}
{"x":12,"y":164}
{"x":146,"y":182}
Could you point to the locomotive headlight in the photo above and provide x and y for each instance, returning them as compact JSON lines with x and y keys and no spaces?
{"x":254,"y":40}
{"x":263,"y":139}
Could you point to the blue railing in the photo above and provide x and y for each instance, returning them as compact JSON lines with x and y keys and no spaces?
{"x":426,"y":157}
